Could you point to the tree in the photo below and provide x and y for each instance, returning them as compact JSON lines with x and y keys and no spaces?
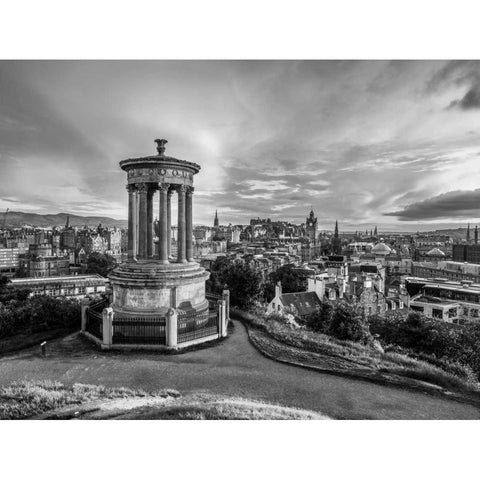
{"x":8,"y":292}
{"x":216,"y":282}
{"x":292,"y":279}
{"x":100,"y":263}
{"x":348,"y":323}
{"x":243,"y":281}
{"x":319,"y":321}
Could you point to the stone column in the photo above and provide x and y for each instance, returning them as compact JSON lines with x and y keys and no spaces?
{"x":189,"y":224}
{"x":137,"y":211}
{"x":84,"y":306}
{"x":107,"y":320}
{"x":226,"y":297}
{"x":171,"y":328}
{"x":150,"y":192}
{"x":132,"y":220}
{"x":222,"y":319}
{"x":163,"y":230}
{"x":181,"y":257}
{"x":142,"y":220}
{"x":169,"y":222}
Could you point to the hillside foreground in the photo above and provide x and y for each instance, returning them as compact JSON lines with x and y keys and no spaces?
{"x":233,"y":369}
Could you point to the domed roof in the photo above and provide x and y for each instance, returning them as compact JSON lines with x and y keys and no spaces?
{"x":381,"y":248}
{"x":435,"y":252}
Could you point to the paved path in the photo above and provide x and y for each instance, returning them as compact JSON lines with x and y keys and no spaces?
{"x":233,"y":367}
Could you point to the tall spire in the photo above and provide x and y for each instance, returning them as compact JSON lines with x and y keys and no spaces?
{"x":336,"y":229}
{"x":468,"y":233}
{"x":67,"y":224}
{"x":215,"y":222}
{"x":375,"y":232}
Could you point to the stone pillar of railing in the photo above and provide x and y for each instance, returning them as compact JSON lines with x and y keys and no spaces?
{"x":226,"y":297}
{"x":181,"y":254}
{"x":84,"y":305}
{"x":107,"y":317}
{"x":189,"y":224}
{"x":132,"y":220}
{"x":222,"y":320}
{"x":171,"y":328}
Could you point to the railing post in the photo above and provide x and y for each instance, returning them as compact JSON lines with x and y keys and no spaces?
{"x":222,"y":320}
{"x":226,"y":297}
{"x":107,"y":315}
{"x":84,"y":305}
{"x":172,"y":326}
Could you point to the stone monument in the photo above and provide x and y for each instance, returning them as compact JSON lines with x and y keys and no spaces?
{"x":149,"y":285}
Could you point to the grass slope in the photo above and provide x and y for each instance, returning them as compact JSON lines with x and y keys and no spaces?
{"x":345,"y":356}
{"x":53,"y":400}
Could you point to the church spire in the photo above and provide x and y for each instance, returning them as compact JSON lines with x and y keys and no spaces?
{"x":336,"y":229}
{"x":215,"y":222}
{"x":468,"y":233}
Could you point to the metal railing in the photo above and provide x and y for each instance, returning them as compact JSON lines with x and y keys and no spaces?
{"x":213,"y":299}
{"x":193,"y":325}
{"x":99,"y":305}
{"x":147,"y":330}
{"x":94,"y":324}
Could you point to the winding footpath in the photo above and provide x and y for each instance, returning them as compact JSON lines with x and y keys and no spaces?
{"x":235,"y":368}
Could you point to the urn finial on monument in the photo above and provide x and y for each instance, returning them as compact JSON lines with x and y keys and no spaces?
{"x":161,"y":146}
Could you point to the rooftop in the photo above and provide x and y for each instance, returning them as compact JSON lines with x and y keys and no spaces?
{"x":303,"y":302}
{"x":434,"y":300}
{"x":57,"y":279}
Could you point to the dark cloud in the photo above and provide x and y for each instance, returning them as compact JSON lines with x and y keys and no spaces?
{"x":459,"y":73}
{"x":458,"y":204}
{"x":470,"y":100}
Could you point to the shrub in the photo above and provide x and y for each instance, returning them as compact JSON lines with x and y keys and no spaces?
{"x":38,"y":314}
{"x":348,"y":323}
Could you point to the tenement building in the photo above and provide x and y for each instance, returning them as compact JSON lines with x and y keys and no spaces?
{"x":466,"y":253}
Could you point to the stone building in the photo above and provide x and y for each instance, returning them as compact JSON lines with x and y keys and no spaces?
{"x":75,"y":286}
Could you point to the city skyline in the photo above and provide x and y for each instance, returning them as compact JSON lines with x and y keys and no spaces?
{"x":368,"y":143}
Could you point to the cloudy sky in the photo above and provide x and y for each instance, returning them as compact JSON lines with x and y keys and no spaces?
{"x":395,"y":144}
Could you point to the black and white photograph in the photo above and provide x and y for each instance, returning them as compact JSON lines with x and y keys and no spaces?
{"x":224,"y":237}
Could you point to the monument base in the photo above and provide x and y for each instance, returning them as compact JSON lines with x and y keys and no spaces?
{"x":150,"y":288}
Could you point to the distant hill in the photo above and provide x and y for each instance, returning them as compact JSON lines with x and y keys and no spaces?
{"x":17,"y":219}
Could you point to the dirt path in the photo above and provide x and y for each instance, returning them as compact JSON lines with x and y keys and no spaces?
{"x":234,"y":368}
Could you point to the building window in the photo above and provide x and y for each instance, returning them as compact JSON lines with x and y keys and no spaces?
{"x":437,"y":313}
{"x":452,"y":312}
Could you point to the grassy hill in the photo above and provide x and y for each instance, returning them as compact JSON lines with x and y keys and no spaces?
{"x":17,"y":219}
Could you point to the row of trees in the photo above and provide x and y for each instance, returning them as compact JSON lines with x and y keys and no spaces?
{"x":342,"y":320}
{"x":21,"y":314}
